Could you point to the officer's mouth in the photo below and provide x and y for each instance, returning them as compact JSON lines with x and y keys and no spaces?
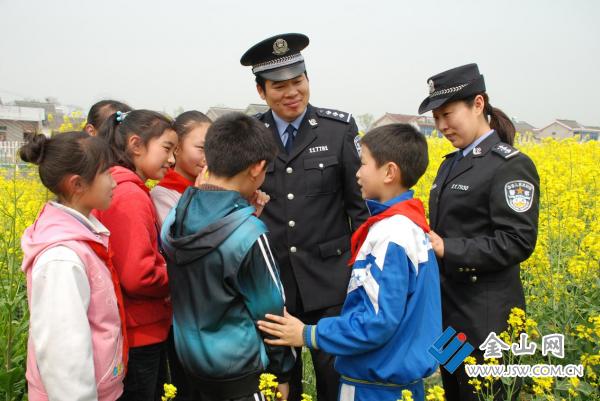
{"x":451,"y":137}
{"x":292,"y":105}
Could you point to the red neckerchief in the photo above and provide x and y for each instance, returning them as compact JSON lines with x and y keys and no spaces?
{"x":175,"y":181}
{"x":411,"y":208}
{"x":106,"y":256}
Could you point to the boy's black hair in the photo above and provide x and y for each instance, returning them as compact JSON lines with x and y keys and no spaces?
{"x":401,"y":144}
{"x":236,"y":141}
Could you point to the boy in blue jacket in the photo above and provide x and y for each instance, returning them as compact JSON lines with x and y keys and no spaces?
{"x":222,"y":274}
{"x":392,"y":312}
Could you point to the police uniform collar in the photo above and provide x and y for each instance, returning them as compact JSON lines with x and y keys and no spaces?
{"x":474,"y":147}
{"x":484,"y":146}
{"x":487,"y":144}
{"x":454,"y":152}
{"x":282,"y":124}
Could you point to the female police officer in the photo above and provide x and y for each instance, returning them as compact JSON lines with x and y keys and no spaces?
{"x":483,"y":210}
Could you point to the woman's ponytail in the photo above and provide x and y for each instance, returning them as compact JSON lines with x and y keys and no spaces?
{"x":499,"y":122}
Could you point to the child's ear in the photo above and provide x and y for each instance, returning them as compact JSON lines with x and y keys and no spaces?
{"x":257,"y":168}
{"x":392,"y":173}
{"x":135,"y":144}
{"x":89,"y":128}
{"x":74,"y":184}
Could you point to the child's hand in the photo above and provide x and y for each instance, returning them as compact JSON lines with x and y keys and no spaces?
{"x":437,"y":243}
{"x":286,"y":328}
{"x":284,"y":389}
{"x":202,"y":177}
{"x":259,"y":200}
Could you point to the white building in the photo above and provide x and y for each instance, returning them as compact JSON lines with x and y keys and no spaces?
{"x":562,"y":129}
{"x":15,"y":121}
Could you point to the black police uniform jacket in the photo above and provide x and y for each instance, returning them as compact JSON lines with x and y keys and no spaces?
{"x":315,"y":206}
{"x":486,"y":210}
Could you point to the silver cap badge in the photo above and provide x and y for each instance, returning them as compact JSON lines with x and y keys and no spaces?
{"x":280,"y":47}
{"x":431,"y":86}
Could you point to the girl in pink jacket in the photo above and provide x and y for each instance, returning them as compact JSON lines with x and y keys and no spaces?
{"x":77,"y":347}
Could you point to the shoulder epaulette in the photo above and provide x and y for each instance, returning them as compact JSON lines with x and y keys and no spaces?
{"x":259,"y":115}
{"x":505,"y":150}
{"x":335,"y":115}
{"x":450,"y":154}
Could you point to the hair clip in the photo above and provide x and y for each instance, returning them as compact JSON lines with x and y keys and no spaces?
{"x":121,"y":116}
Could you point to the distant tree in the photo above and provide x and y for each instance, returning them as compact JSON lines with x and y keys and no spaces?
{"x":365,"y":121}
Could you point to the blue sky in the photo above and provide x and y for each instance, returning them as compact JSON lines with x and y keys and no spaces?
{"x":540,"y":58}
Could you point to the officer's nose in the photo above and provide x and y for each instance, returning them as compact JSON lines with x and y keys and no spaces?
{"x":441,"y":125}
{"x":292,"y":91}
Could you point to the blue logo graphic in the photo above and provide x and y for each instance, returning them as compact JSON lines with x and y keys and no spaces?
{"x":456,"y":351}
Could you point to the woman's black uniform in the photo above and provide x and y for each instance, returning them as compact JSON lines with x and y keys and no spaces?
{"x":485,"y":207}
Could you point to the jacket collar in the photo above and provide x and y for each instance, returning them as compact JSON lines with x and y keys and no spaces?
{"x":375,"y":207}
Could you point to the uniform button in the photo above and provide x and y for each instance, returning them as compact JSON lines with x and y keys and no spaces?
{"x":289,"y":170}
{"x":338,"y":251}
{"x":321,"y":165}
{"x":460,"y":270}
{"x":290,"y":196}
{"x":473,"y":279}
{"x":291,"y":223}
{"x":293,"y":249}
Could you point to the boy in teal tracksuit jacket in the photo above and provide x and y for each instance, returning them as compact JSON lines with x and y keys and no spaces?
{"x":222,"y":273}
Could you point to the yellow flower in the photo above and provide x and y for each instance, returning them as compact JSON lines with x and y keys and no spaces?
{"x":476,"y":383}
{"x":407,"y":395}
{"x":470,"y":360}
{"x":435,"y":393}
{"x":267,"y":385}
{"x":170,"y":392}
{"x":542,"y":385}
{"x":574,"y":381}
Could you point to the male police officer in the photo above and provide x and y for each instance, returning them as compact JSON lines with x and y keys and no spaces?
{"x":315,"y":201}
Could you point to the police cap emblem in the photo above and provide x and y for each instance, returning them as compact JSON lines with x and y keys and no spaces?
{"x":519,"y":195}
{"x":280,"y":47}
{"x":431,"y":86}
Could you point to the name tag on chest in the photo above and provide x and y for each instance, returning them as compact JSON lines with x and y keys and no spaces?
{"x":460,"y":187}
{"x":316,"y":149}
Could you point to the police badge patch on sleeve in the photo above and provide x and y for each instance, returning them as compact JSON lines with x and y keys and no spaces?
{"x":357,"y":144}
{"x":519,"y":195}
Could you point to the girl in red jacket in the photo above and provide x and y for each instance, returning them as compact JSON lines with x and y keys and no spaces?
{"x":142,"y":144}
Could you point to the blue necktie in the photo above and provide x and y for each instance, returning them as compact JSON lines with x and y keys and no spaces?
{"x":290,"y":140}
